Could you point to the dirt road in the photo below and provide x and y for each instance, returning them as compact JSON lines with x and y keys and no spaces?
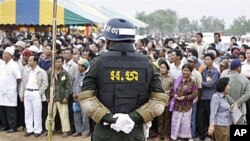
{"x":18,"y":136}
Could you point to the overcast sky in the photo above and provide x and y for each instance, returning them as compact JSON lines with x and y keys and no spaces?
{"x":193,"y":9}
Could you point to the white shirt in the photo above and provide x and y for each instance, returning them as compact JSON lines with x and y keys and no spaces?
{"x":72,"y":68}
{"x":176,"y":71}
{"x":245,"y":69}
{"x":1,"y":61}
{"x":216,"y":66}
{"x":220,"y":47}
{"x":20,"y":64}
{"x":197,"y":78}
{"x":201,"y":48}
{"x":32,"y":81}
{"x":9,"y":74}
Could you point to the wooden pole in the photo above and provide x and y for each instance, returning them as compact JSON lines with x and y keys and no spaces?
{"x":52,"y":78}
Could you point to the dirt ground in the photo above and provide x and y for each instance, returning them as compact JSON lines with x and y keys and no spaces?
{"x":19,"y":136}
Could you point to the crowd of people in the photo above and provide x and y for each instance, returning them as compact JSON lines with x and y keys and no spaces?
{"x":204,"y":82}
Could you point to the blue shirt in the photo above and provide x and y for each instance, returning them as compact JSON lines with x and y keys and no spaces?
{"x":220,"y":114}
{"x":45,"y":64}
{"x":209,"y":82}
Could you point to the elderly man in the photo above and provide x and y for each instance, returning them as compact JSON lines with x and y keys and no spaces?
{"x":239,"y":89}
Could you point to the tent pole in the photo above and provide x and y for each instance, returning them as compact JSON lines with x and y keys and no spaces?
{"x":52,"y":78}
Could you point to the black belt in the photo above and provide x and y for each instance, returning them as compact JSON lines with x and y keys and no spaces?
{"x":32,"y":90}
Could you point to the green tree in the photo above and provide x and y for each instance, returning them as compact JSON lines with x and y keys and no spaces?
{"x":167,"y":21}
{"x":212,"y":24}
{"x":194,"y":26}
{"x":142,"y":16}
{"x":163,"y":21}
{"x":240,"y":26}
{"x":183,"y":25}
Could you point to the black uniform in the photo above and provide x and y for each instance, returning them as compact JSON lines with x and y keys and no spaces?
{"x":123,"y":81}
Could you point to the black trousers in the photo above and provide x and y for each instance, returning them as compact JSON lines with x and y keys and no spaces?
{"x":8,"y":117}
{"x":105,"y":133}
{"x":71,"y":113}
{"x":203,"y":114}
{"x":1,"y":119}
{"x":20,"y":113}
{"x":248,"y":111}
{"x":44,"y":113}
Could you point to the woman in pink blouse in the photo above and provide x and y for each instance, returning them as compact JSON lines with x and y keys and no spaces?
{"x":184,"y":91}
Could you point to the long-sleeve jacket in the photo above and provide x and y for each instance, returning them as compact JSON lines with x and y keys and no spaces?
{"x":62,"y":86}
{"x":42,"y":80}
{"x":78,"y":83}
{"x":239,"y":90}
{"x":220,"y":114}
{"x":72,"y":68}
{"x":209,"y":81}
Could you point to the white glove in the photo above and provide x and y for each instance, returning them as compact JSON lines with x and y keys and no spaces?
{"x":123,"y":123}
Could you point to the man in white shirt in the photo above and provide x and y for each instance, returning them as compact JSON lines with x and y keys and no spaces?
{"x":201,"y":45}
{"x":10,"y":76}
{"x":101,"y":43}
{"x":33,"y":87}
{"x":176,"y":66}
{"x":219,"y":46}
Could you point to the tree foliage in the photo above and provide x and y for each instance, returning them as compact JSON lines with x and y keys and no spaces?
{"x":212,"y":24}
{"x":240,"y":26}
{"x":160,"y":20}
{"x":167,"y":22}
{"x":183,"y":24}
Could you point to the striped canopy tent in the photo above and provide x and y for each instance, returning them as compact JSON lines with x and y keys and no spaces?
{"x":37,"y":12}
{"x":84,"y":9}
{"x":98,"y":14}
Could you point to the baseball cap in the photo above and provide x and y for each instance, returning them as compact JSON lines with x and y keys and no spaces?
{"x":84,"y":62}
{"x":192,"y":59}
{"x":26,"y":52}
{"x":235,"y":64}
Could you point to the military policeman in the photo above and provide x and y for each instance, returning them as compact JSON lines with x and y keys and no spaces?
{"x":122,"y":89}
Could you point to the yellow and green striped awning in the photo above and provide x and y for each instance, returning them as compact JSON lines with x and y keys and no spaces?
{"x":37,"y":12}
